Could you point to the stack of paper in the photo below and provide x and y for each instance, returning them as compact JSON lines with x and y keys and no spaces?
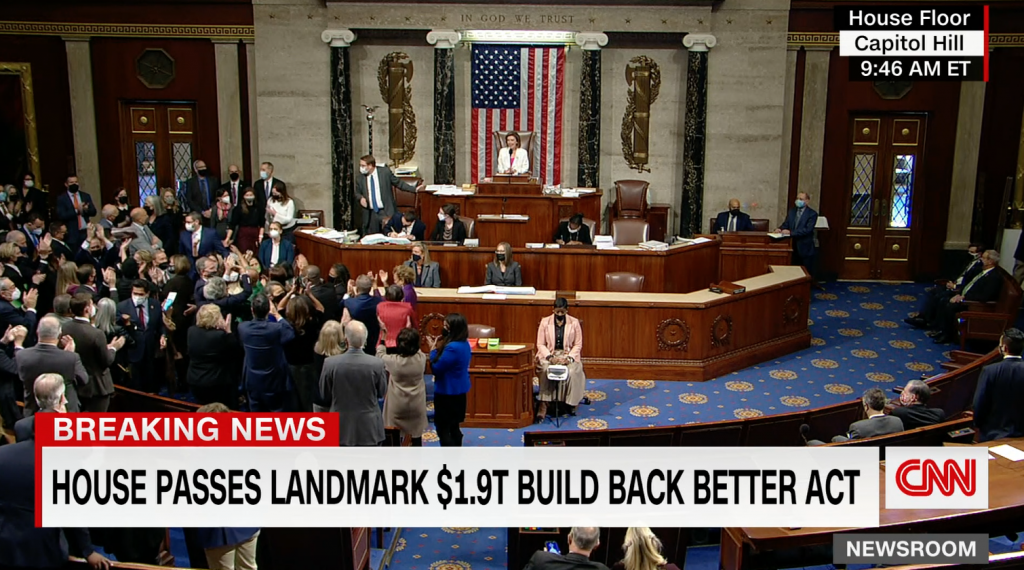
{"x":376,"y":239}
{"x":447,"y":190}
{"x":654,"y":245}
{"x":531,"y":245}
{"x":464,"y":290}
{"x":604,"y":242}
{"x":405,"y":171}
{"x":328,"y":233}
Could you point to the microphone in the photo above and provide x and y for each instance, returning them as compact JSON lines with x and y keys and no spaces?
{"x":503,"y":202}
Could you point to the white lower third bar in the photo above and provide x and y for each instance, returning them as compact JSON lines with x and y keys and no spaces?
{"x":911,"y":44}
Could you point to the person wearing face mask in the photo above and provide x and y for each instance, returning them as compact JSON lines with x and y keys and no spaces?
{"x":124,"y":209}
{"x":74,"y":208}
{"x":799,"y":225}
{"x":339,"y":276}
{"x":999,"y":397}
{"x":732,"y":220}
{"x":246,"y":222}
{"x":221,"y":219}
{"x":33,"y":231}
{"x":144,"y":239}
{"x":97,"y":252}
{"x":264,"y":185}
{"x":504,"y":272}
{"x":449,"y":361}
{"x":281,"y":209}
{"x":573,"y":232}
{"x":449,"y":227}
{"x":6,"y":215}
{"x":11,"y":316}
{"x":169,"y":219}
{"x":560,"y":341}
{"x":235,"y":184}
{"x":199,"y":191}
{"x":913,"y":407}
{"x":87,"y":279}
{"x":943,"y":292}
{"x":96,"y":353}
{"x":407,"y":225}
{"x":30,"y":199}
{"x":198,"y":241}
{"x":58,"y":241}
{"x":276,"y":249}
{"x":142,"y":313}
{"x":428,"y":273}
{"x":376,"y":197}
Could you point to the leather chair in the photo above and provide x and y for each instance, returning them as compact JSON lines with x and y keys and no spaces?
{"x":626,"y":231}
{"x":525,"y":140}
{"x":587,"y":222}
{"x":407,"y":200}
{"x":630,"y":199}
{"x":624,"y":281}
{"x":759,"y":224}
{"x":470,"y":224}
{"x":482,"y":331}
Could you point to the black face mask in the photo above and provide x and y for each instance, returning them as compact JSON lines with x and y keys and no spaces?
{"x":734,"y":210}
{"x":122,"y":199}
{"x":73,"y":188}
{"x":203,"y":172}
{"x":275,"y":197}
{"x":165,"y":265}
{"x":149,"y":210}
{"x":234,"y":177}
{"x":95,"y":252}
{"x":444,"y":332}
{"x":500,"y":256}
{"x":416,"y":257}
{"x":277,"y":298}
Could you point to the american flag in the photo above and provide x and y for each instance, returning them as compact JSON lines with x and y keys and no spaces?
{"x":518,"y":88}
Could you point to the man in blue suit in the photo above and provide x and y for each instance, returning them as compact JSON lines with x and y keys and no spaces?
{"x":197,"y":241}
{"x":999,"y":398}
{"x":265,"y":372}
{"x":733,"y":220}
{"x":74,"y":208}
{"x":141,"y":314}
{"x":799,"y":225}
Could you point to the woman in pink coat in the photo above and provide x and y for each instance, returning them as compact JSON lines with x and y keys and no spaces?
{"x":560,"y":341}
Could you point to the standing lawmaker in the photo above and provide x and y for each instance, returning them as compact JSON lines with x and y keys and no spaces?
{"x":375,"y":196}
{"x":513,"y":159}
{"x":799,"y":224}
{"x":999,"y":399}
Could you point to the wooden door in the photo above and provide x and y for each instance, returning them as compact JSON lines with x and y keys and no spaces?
{"x":884,"y":192}
{"x":158,"y":143}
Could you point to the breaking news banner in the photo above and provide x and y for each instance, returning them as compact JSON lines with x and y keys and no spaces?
{"x":914,"y":43}
{"x":286,"y":470}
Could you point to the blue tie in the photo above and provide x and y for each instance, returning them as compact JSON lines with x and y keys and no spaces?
{"x":373,"y":194}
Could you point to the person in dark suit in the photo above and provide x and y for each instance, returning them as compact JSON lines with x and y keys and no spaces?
{"x":407,"y":225}
{"x":142,"y":316}
{"x":732,"y":220}
{"x":582,"y":541}
{"x":266,"y":376}
{"x":199,"y":191}
{"x":211,"y":370}
{"x":999,"y":397}
{"x":99,"y":254}
{"x":449,"y":227}
{"x":235,"y":185}
{"x":45,"y":358}
{"x":876,"y":424}
{"x":354,"y":382}
{"x":10,"y":383}
{"x":58,"y":243}
{"x":32,"y":231}
{"x":913,"y":409}
{"x":87,"y":280}
{"x":799,"y":225}
{"x":363,"y":308}
{"x":503,"y":271}
{"x":22,"y":545}
{"x":574,"y":232}
{"x":275,"y":250}
{"x":936,"y":296}
{"x":264,"y":185}
{"x":13,"y":316}
{"x":32,"y":200}
{"x":197,"y":241}
{"x":983,"y":288}
{"x":376,"y":198}
{"x":96,"y":354}
{"x":324,"y":292}
{"x":74,"y":208}
{"x":180,"y":284}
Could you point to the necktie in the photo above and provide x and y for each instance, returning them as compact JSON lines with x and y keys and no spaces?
{"x":195,"y":244}
{"x":206,"y":192}
{"x":799,"y":214}
{"x":78,"y":208}
{"x":373,"y":193}
{"x":234,"y":192}
{"x":142,"y":316}
{"x":269,"y":186}
{"x":973,"y":281}
{"x":732,"y":223}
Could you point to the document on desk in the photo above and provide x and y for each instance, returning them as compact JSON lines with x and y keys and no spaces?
{"x":512,"y":346}
{"x":774,"y":235}
{"x":1008,"y":451}
{"x":448,"y":190}
{"x":494,"y":297}
{"x":494,"y":289}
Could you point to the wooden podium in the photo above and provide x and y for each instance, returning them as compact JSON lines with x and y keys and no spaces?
{"x":508,"y":185}
{"x":749,"y":254}
{"x":502,"y":392}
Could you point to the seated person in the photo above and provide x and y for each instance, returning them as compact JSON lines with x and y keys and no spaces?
{"x":513,"y":159}
{"x":983,"y":288}
{"x":574,"y":232}
{"x":938,"y":295}
{"x":999,"y":397}
{"x":642,"y":551}
{"x":582,"y":541}
{"x":449,"y":227}
{"x":503,"y":271}
{"x":878,"y":423}
{"x":733,"y":220}
{"x":405,"y":225}
{"x":913,"y":409}
{"x":428,"y":274}
{"x":560,"y":341}
{"x":276,"y":250}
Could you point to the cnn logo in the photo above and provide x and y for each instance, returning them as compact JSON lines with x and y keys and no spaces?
{"x":936,"y":478}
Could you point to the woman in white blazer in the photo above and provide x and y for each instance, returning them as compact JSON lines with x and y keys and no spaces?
{"x":513,"y":159}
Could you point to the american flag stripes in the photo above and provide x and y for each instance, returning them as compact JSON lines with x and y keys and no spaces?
{"x":522,"y":89}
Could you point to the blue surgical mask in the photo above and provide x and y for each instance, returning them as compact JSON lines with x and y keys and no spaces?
{"x":264,"y":175}
{"x":3,"y":196}
{"x":800,"y":203}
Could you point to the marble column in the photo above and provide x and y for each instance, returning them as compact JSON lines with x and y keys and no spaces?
{"x":343,"y":193}
{"x":444,"y":42}
{"x":787,"y":132}
{"x":229,"y":104}
{"x":691,"y":210}
{"x":588,"y":166}
{"x":812,"y":121}
{"x":965,"y":164}
{"x":83,"y":116}
{"x":254,"y":134}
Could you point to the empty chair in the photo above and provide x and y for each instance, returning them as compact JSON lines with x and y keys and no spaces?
{"x":629,"y":231}
{"x":630,"y":199}
{"x":406,"y":200}
{"x":470,"y":224}
{"x":624,"y":281}
{"x":482,"y":331}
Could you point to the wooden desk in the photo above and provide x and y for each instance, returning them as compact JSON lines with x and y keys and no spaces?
{"x":689,"y":337}
{"x":508,"y":186}
{"x":544,"y":210}
{"x":680,"y":269}
{"x":502,"y":380}
{"x":741,"y":547}
{"x":746,"y":254}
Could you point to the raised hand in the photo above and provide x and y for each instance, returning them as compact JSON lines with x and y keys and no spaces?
{"x":69,"y":343}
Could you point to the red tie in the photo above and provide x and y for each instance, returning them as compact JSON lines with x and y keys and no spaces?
{"x":142,"y":317}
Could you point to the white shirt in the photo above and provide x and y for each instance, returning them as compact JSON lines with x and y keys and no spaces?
{"x":275,"y":251}
{"x":520,"y":165}
{"x":197,"y":237}
{"x":284,"y":214}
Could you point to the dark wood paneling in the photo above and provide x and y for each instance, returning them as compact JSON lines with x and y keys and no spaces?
{"x":941,"y":101}
{"x":1000,"y":135}
{"x":115,"y":80}
{"x":219,"y":12}
{"x":48,"y":57}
